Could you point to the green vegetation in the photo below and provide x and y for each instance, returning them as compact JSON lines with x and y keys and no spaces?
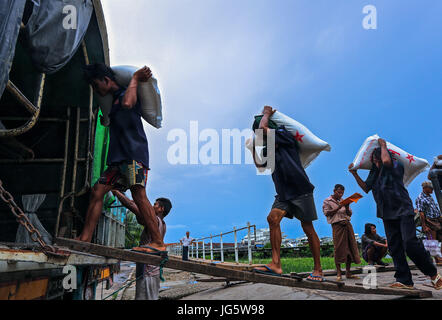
{"x":306,"y":264}
{"x":133,"y":231}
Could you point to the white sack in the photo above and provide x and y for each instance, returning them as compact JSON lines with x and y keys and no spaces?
{"x":413,"y":165}
{"x":147,"y":92}
{"x":310,"y":146}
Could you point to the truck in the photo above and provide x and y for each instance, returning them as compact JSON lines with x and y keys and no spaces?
{"x":52,"y":149}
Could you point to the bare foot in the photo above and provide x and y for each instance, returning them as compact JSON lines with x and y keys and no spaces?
{"x":155,"y":247}
{"x":316,"y":276}
{"x":348,"y":275}
{"x":317,"y":273}
{"x":82,"y":238}
{"x":272,"y":266}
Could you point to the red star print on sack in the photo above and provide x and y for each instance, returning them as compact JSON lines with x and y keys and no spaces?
{"x":413,"y":165}
{"x":410,"y":158}
{"x":298,"y":136}
{"x":393,"y":153}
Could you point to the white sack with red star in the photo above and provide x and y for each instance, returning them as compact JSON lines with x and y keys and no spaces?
{"x":310,"y":146}
{"x":413,"y":165}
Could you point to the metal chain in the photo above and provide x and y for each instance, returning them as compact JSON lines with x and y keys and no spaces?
{"x":23,"y":220}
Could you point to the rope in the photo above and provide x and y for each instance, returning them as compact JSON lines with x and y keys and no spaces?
{"x":123,"y":287}
{"x":162,"y":263}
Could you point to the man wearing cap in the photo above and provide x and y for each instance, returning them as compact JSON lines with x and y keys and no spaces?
{"x":430,"y":215}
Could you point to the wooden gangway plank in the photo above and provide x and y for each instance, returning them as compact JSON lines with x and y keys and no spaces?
{"x":357,"y":270}
{"x":238,"y":275}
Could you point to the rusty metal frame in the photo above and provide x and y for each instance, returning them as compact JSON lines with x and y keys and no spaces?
{"x":33,"y":108}
{"x":89,"y":156}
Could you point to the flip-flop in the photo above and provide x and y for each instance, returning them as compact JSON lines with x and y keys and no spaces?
{"x":269,"y":271}
{"x":352,"y":276}
{"x":314,"y":278}
{"x":399,"y":285}
{"x":155,"y":252}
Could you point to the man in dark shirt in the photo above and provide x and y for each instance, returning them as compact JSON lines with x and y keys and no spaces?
{"x":128,"y":156}
{"x":374,"y":247}
{"x":395,"y":208}
{"x":294,"y":196}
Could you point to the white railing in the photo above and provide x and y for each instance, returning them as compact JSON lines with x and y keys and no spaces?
{"x":200,"y":245}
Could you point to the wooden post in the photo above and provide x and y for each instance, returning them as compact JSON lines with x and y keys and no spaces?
{"x":222,"y":249}
{"x":249,"y":248}
{"x":254,"y":230}
{"x":236,"y":245}
{"x":211,"y":248}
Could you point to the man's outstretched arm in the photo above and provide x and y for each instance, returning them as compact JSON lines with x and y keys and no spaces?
{"x":129,"y":204}
{"x":358,"y":179}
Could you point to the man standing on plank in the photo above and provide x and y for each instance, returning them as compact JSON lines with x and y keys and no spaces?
{"x":294,"y":196}
{"x":395,"y":208}
{"x":147,"y":285}
{"x":344,"y":242}
{"x":128,"y":155}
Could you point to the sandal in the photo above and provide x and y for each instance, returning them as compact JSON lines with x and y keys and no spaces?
{"x":268,"y":271}
{"x":314,"y":278}
{"x":338,"y":278}
{"x":399,"y":285}
{"x":435,"y":281}
{"x":352,"y":276}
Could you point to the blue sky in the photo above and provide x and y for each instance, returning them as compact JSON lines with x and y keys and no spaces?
{"x":218,"y":62}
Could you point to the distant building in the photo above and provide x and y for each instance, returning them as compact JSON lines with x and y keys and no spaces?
{"x":263,"y":237}
{"x":326,"y":240}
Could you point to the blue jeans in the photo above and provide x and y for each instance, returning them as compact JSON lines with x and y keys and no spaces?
{"x":402,"y":241}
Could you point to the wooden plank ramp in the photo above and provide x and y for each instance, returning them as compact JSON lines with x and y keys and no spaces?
{"x":226,"y":265}
{"x":232,"y":274}
{"x":357,"y":270}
